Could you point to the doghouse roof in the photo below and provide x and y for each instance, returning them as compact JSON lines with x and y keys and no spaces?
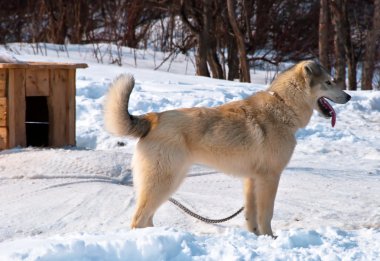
{"x":42,"y":65}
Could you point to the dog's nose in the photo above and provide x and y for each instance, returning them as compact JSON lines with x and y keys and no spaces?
{"x":348,"y":97}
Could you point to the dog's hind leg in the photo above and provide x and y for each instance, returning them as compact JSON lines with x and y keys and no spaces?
{"x":265,"y":193}
{"x":156,"y":177}
{"x":250,"y":205}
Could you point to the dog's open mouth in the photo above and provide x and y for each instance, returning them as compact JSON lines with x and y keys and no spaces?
{"x":327,"y":110}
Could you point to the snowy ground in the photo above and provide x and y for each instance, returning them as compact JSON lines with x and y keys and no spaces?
{"x":76,"y":203}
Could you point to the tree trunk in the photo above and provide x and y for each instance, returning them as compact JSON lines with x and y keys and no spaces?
{"x":202,"y":36}
{"x":213,"y":61}
{"x":57,"y":21}
{"x":351,"y":59}
{"x":352,"y":64}
{"x":232,"y":59}
{"x":134,"y":11}
{"x":209,"y":27}
{"x":244,"y":66}
{"x":339,"y":41}
{"x":81,"y":18}
{"x":351,"y":56}
{"x":201,"y":57}
{"x":370,"y":49}
{"x":324,"y":28}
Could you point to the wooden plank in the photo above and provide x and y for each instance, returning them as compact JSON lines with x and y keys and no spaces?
{"x":51,"y":65}
{"x":16,"y":108}
{"x":3,"y":138}
{"x":3,"y":111}
{"x":14,"y":65}
{"x":43,"y":65}
{"x":3,"y":82}
{"x":37,"y":82}
{"x":57,"y":107}
{"x":70,"y":108}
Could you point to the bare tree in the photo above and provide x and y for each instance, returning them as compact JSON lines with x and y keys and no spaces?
{"x":339,"y":40}
{"x":233,"y":34}
{"x":78,"y":20}
{"x":199,"y":18}
{"x":232,"y":58}
{"x":201,"y":35}
{"x":351,"y":53}
{"x":324,"y":30}
{"x":373,"y":37}
{"x":239,"y":37}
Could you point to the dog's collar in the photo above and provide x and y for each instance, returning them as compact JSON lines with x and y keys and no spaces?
{"x":275,"y":94}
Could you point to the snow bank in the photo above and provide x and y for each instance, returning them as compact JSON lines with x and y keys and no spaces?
{"x":169,"y":244}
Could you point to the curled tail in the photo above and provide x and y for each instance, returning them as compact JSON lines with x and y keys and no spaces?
{"x":117,"y":119}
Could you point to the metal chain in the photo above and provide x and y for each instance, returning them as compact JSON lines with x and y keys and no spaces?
{"x":199,"y":217}
{"x":206,"y":220}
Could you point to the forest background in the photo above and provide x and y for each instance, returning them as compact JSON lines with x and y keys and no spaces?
{"x":224,"y":39}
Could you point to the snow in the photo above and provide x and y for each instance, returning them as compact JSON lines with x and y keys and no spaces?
{"x":8,"y":57}
{"x":170,"y":244}
{"x":76,"y":203}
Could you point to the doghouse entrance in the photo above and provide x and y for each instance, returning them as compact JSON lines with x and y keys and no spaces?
{"x":37,"y":121}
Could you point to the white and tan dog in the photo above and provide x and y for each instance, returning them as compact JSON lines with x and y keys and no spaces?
{"x":253,"y":138}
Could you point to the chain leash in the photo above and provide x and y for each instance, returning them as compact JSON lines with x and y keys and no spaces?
{"x":204,"y":219}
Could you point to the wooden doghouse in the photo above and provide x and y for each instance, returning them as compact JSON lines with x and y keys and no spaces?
{"x":37,"y":104}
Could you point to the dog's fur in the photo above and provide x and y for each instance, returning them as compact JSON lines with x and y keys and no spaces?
{"x":253,"y":138}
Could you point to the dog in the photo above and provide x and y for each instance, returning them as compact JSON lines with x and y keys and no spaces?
{"x":252,"y":138}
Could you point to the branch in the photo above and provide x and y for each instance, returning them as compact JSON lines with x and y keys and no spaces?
{"x":264,"y":59}
{"x":167,"y":58}
{"x":192,"y":28}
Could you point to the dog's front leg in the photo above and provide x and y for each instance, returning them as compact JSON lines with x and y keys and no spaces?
{"x":265,"y":194}
{"x":250,"y":205}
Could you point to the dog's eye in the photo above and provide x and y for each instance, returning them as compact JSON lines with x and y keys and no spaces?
{"x":328,"y":82}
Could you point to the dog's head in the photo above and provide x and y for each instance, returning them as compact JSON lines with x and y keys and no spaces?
{"x":323,"y":88}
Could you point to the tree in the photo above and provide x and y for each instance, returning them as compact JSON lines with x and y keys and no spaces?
{"x":233,"y":34}
{"x":338,"y":14}
{"x":78,"y":23}
{"x":199,"y":16}
{"x":373,"y":37}
{"x":239,"y":37}
{"x":324,"y":31}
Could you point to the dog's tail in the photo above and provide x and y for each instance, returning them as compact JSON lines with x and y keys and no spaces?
{"x":117,"y":119}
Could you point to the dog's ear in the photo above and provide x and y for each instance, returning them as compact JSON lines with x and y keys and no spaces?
{"x":312,"y":68}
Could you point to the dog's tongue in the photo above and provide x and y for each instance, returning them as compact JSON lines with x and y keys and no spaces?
{"x":331,"y":111}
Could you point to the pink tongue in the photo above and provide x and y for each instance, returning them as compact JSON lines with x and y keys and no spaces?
{"x":332,"y":111}
{"x":333,"y":118}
